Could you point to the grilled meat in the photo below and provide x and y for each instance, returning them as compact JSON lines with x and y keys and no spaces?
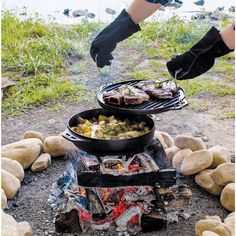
{"x":133,"y":95}
{"x":113,"y":97}
{"x":125,"y":94}
{"x":158,"y":89}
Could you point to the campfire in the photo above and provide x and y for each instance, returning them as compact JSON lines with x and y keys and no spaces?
{"x":126,"y":193}
{"x":122,"y":175}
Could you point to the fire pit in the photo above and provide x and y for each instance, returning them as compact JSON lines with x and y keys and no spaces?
{"x":117,"y":185}
{"x":127,"y":193}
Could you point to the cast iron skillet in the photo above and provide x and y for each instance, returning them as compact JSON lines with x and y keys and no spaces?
{"x":109,"y":147}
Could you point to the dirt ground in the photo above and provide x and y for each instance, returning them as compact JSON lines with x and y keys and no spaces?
{"x":31,"y":203}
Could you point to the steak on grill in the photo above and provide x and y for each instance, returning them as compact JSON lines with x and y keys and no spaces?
{"x":113,"y":97}
{"x":158,"y":89}
{"x":125,"y":94}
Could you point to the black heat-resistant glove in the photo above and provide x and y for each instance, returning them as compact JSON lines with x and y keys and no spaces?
{"x":102,"y":46}
{"x":200,"y":58}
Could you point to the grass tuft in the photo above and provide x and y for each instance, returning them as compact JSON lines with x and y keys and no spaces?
{"x":40,"y":90}
{"x":36,"y":56}
{"x":204,"y":87}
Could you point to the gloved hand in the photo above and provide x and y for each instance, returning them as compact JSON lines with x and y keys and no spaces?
{"x":102,"y":46}
{"x":200,"y":58}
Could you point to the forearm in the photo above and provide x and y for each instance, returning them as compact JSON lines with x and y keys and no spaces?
{"x":228,"y":36}
{"x":139,"y":10}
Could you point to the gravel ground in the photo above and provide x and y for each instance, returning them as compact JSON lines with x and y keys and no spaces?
{"x":31,"y":202}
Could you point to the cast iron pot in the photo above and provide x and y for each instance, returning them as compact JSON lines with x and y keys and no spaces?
{"x":109,"y":147}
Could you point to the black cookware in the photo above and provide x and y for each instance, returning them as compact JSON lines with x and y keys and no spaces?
{"x":109,"y":147}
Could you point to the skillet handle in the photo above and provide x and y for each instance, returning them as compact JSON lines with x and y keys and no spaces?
{"x":67,"y":134}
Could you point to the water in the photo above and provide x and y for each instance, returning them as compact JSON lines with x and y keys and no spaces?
{"x":56,"y":8}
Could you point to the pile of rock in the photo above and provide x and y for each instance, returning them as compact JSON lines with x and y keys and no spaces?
{"x":220,"y":182}
{"x":213,"y":226}
{"x":9,"y":227}
{"x":34,"y":152}
{"x":212,"y":167}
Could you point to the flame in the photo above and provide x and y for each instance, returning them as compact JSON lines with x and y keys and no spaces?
{"x":105,"y":194}
{"x":83,"y":192}
{"x":133,"y":167}
{"x":120,"y":167}
{"x":85,"y":215}
{"x":120,"y":209}
{"x":134,"y":220}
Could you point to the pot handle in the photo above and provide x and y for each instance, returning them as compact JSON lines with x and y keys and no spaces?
{"x":67,"y":134}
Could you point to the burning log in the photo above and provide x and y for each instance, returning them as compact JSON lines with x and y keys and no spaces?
{"x":123,"y":193}
{"x":176,"y":196}
{"x":95,"y":206}
{"x":155,"y":220}
{"x":68,"y":222}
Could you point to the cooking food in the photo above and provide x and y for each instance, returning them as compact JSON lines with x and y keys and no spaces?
{"x":125,"y":94}
{"x":159,"y":89}
{"x":140,"y":92}
{"x":110,"y":127}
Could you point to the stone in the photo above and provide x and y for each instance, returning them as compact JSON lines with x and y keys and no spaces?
{"x":220,"y":155}
{"x":187,"y":142}
{"x":9,"y":226}
{"x":215,"y":217}
{"x":165,"y":138}
{"x":186,"y":216}
{"x":204,"y":180}
{"x":205,"y":138}
{"x":196,"y":162}
{"x":170,"y":152}
{"x":13,"y":167}
{"x":212,"y":225}
{"x":209,"y":233}
{"x":179,"y":157}
{"x":10,"y":184}
{"x":33,"y":134}
{"x":227,"y":197}
{"x":57,"y":146}
{"x":230,"y":221}
{"x":41,"y":163}
{"x":172,"y":217}
{"x":3,"y":199}
{"x":224,"y":174}
{"x":24,"y":229}
{"x":158,"y":136}
{"x":25,"y":151}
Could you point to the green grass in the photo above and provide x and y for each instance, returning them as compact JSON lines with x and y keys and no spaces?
{"x":198,"y":105}
{"x":139,"y":75}
{"x":156,"y":64}
{"x":35,"y":55}
{"x":224,"y":68}
{"x":41,"y":90}
{"x":162,"y":39}
{"x":230,"y":115}
{"x":31,"y":46}
{"x":204,"y":87}
{"x":159,"y":41}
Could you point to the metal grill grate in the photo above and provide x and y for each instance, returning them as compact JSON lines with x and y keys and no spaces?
{"x":152,"y":106}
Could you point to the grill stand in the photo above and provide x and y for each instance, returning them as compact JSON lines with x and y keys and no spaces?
{"x":152,"y":106}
